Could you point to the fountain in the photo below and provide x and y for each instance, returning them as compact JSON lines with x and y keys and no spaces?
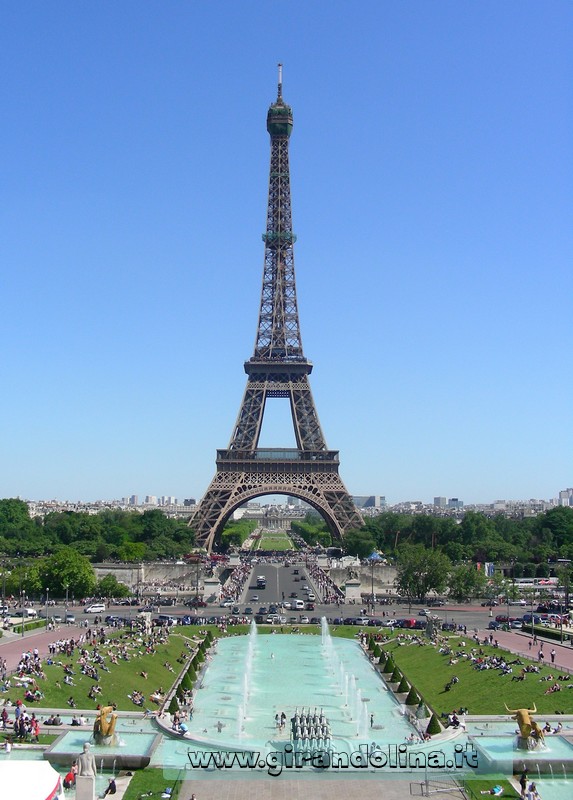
{"x":104,"y":726}
{"x":306,"y":670}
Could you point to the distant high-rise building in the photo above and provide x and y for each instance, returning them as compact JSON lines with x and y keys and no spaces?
{"x":566,"y":497}
{"x":369,"y":501}
{"x":134,"y":500}
{"x":189,"y":501}
{"x":150,"y":500}
{"x":440,"y":502}
{"x":453,"y":502}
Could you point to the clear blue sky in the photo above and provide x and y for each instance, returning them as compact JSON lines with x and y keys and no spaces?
{"x":432,"y":196}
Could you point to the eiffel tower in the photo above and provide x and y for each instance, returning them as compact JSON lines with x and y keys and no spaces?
{"x":278,"y":368}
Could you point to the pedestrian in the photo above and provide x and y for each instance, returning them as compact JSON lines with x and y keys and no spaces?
{"x":552,"y":654}
{"x":530,"y":645}
{"x":111,"y":788}
{"x":371,"y":720}
{"x":523,"y":783}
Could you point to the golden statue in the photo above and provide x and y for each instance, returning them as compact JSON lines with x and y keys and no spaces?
{"x":527,"y":726}
{"x":104,"y":725}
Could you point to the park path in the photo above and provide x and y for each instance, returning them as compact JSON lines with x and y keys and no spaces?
{"x":12,"y":645}
{"x":518,"y":642}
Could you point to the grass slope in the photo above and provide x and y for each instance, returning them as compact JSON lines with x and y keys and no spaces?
{"x":482,"y":692}
{"x":120,"y":681}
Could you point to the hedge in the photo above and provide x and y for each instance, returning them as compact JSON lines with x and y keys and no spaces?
{"x":413,"y":698}
{"x":434,"y":726}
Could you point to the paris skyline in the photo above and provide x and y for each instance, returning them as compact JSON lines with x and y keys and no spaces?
{"x":430,"y":176}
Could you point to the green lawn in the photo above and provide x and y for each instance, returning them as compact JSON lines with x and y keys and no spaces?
{"x":482,"y":692}
{"x":275,"y":541}
{"x":474,"y":788}
{"x":151,"y":781}
{"x":122,"y":679}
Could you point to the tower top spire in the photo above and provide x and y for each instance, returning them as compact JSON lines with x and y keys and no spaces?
{"x":279,"y":118}
{"x":280,"y":89}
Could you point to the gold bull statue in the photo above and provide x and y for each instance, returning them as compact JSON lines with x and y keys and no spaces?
{"x":527,"y":726}
{"x":104,"y":725}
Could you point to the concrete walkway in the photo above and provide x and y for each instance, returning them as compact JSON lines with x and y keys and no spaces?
{"x":311,"y":788}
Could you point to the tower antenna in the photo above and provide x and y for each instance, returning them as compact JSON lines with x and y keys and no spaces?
{"x":280,"y":91}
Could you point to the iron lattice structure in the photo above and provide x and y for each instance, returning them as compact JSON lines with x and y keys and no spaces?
{"x":278,"y":368}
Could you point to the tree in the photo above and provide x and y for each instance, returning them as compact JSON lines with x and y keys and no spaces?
{"x":109,"y":586}
{"x":466,"y":581}
{"x":68,"y":568}
{"x":359,"y":543}
{"x":420,"y":571}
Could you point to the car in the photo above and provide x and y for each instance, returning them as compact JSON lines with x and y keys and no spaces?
{"x":424,"y":613}
{"x":516,"y":624}
{"x":248,"y":611}
{"x":70,"y":619}
{"x":287,"y":605}
{"x":502,"y":618}
{"x":306,"y":588}
{"x":263,"y":610}
{"x":165,"y":619}
{"x":255,"y":598}
{"x":304,"y":620}
{"x":236,"y":610}
{"x":273,"y":610}
{"x":361,"y":621}
{"x":311,"y":596}
{"x":95,"y":608}
{"x":226,"y":604}
{"x":57,"y":618}
{"x":145,"y":609}
{"x":272,"y":619}
{"x":310,"y":607}
{"x":438,"y":603}
{"x":314,"y":621}
{"x":293,"y":594}
{"x":493,"y":625}
{"x":196,"y":602}
{"x":490,"y":604}
{"x":389,"y":622}
{"x":293,"y":620}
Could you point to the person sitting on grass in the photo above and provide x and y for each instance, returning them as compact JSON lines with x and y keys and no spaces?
{"x":495,"y":790}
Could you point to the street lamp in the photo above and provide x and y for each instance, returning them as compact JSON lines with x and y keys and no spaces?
{"x":47,"y":603}
{"x":66,"y":587}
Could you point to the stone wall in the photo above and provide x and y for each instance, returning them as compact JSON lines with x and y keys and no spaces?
{"x":384,"y":578}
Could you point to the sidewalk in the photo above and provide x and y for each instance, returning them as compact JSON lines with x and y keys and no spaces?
{"x":12,"y":645}
{"x":519,"y":643}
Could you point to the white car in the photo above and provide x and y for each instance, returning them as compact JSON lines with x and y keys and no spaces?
{"x":311,"y":596}
{"x":95,"y":608}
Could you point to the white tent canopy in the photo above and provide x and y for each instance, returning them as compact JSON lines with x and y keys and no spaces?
{"x":29,"y":780}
